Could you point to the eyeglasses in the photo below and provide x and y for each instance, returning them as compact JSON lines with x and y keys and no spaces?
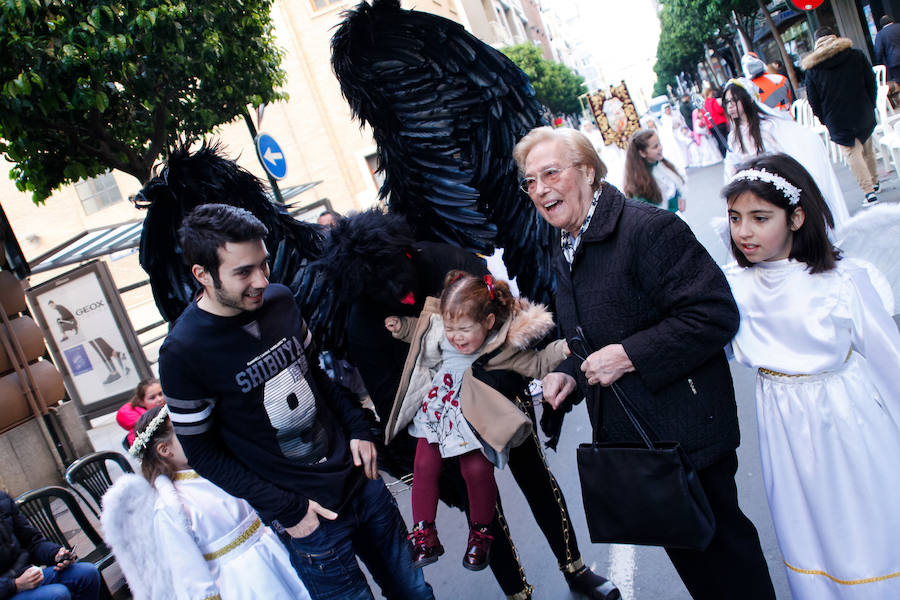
{"x":548,"y":176}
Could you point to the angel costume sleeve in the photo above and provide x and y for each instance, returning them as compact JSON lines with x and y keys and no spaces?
{"x":190,"y":572}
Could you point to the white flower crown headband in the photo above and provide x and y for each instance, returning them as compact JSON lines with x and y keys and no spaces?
{"x":790,"y":191}
{"x":141,"y":439}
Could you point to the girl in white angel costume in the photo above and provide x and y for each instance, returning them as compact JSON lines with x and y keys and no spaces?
{"x":828,"y":387}
{"x":185,"y":538}
{"x":758,"y":129}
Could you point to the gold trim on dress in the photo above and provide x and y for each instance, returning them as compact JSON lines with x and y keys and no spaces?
{"x":841,"y":581}
{"x":234,"y":543}
{"x":186,"y":475}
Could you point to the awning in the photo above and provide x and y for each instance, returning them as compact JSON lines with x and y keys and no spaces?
{"x":102,"y":241}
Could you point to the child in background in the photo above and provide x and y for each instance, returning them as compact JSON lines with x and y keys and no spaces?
{"x":148,"y":395}
{"x":184,"y":537}
{"x":649,"y":176}
{"x":449,"y":399}
{"x":828,"y":386}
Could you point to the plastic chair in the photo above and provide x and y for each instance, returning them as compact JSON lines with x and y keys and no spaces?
{"x":90,"y":473}
{"x":880,"y":74}
{"x":37,"y":506}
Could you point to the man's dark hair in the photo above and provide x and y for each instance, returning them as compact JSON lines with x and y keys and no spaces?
{"x":209,"y":227}
{"x":886,"y":20}
{"x":823,"y":31}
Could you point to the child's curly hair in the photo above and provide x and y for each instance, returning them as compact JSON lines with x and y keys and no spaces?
{"x":466,"y":295}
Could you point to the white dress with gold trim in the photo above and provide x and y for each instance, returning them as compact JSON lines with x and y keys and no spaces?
{"x":216,"y":546}
{"x":828,"y":405}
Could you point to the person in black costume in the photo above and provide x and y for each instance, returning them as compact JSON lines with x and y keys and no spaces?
{"x":372,"y":261}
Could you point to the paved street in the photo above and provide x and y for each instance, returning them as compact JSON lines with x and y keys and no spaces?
{"x":641,"y":573}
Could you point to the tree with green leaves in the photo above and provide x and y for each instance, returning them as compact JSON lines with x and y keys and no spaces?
{"x":556,"y":86}
{"x":685,"y":26}
{"x":112,"y":84}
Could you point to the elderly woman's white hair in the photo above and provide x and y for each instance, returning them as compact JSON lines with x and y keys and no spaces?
{"x":579,"y":148}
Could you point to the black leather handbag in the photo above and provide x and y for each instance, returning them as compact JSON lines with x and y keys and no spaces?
{"x":646,"y":492}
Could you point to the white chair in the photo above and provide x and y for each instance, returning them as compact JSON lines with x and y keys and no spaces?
{"x":804,"y":115}
{"x":880,"y":74}
{"x":884,"y":137}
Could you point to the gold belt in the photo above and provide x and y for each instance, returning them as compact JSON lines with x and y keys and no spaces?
{"x":779,"y":374}
{"x":254,"y":526}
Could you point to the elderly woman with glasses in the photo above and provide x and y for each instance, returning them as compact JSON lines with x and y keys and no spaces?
{"x":656,"y":312}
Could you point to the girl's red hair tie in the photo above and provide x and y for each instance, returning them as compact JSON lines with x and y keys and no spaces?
{"x":489,"y":281}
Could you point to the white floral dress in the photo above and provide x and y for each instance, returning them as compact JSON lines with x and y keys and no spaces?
{"x":440,"y":419}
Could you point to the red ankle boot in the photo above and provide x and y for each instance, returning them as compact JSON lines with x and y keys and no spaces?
{"x":426,"y":545}
{"x":478,"y":552}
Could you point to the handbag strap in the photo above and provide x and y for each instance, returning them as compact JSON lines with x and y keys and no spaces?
{"x":634,"y":416}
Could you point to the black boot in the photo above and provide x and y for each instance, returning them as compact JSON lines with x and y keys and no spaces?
{"x":586,"y":582}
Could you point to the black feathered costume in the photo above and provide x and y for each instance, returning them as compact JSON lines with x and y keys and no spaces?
{"x":446,"y":111}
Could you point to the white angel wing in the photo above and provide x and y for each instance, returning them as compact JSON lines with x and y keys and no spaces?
{"x":127,"y":522}
{"x":873,"y":235}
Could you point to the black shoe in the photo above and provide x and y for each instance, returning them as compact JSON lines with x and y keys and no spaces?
{"x":877,"y":187}
{"x":586,"y":582}
{"x":112,"y":377}
{"x":871,"y":199}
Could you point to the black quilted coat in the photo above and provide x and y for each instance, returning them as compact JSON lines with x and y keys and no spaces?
{"x":21,"y":546}
{"x":641,"y":279}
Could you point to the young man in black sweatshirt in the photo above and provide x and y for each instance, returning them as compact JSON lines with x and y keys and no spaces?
{"x":257,"y":417}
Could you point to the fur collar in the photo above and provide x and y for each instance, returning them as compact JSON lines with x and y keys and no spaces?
{"x":531,"y":322}
{"x":826,"y":50}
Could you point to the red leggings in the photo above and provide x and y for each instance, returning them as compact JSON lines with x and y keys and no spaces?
{"x":476,"y":470}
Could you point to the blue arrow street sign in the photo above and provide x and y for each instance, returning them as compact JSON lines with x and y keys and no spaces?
{"x":271,"y":156}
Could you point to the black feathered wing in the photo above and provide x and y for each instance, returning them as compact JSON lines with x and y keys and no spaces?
{"x":446,"y":111}
{"x":206,"y":176}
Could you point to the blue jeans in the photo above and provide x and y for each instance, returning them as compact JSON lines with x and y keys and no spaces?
{"x":369,"y":526}
{"x":78,"y":581}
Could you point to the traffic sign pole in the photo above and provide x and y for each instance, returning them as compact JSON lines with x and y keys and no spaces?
{"x":272,"y":182}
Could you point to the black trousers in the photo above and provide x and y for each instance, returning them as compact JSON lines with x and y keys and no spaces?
{"x":547,"y":503}
{"x":733,"y":566}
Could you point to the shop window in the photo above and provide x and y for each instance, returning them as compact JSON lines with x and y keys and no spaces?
{"x":320,"y":4}
{"x":98,"y":192}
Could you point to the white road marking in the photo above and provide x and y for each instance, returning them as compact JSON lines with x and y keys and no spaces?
{"x":621,"y":569}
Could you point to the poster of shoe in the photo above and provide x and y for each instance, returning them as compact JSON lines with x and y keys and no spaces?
{"x":89,"y":336}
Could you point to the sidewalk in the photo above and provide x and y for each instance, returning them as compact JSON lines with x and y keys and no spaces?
{"x":853,"y":195}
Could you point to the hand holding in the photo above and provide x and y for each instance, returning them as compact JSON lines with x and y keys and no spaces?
{"x":310,"y":521}
{"x":64,"y":557}
{"x":607,"y":365}
{"x":557,"y":387}
{"x":30,"y":579}
{"x":392,"y":324}
{"x":365,"y":455}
